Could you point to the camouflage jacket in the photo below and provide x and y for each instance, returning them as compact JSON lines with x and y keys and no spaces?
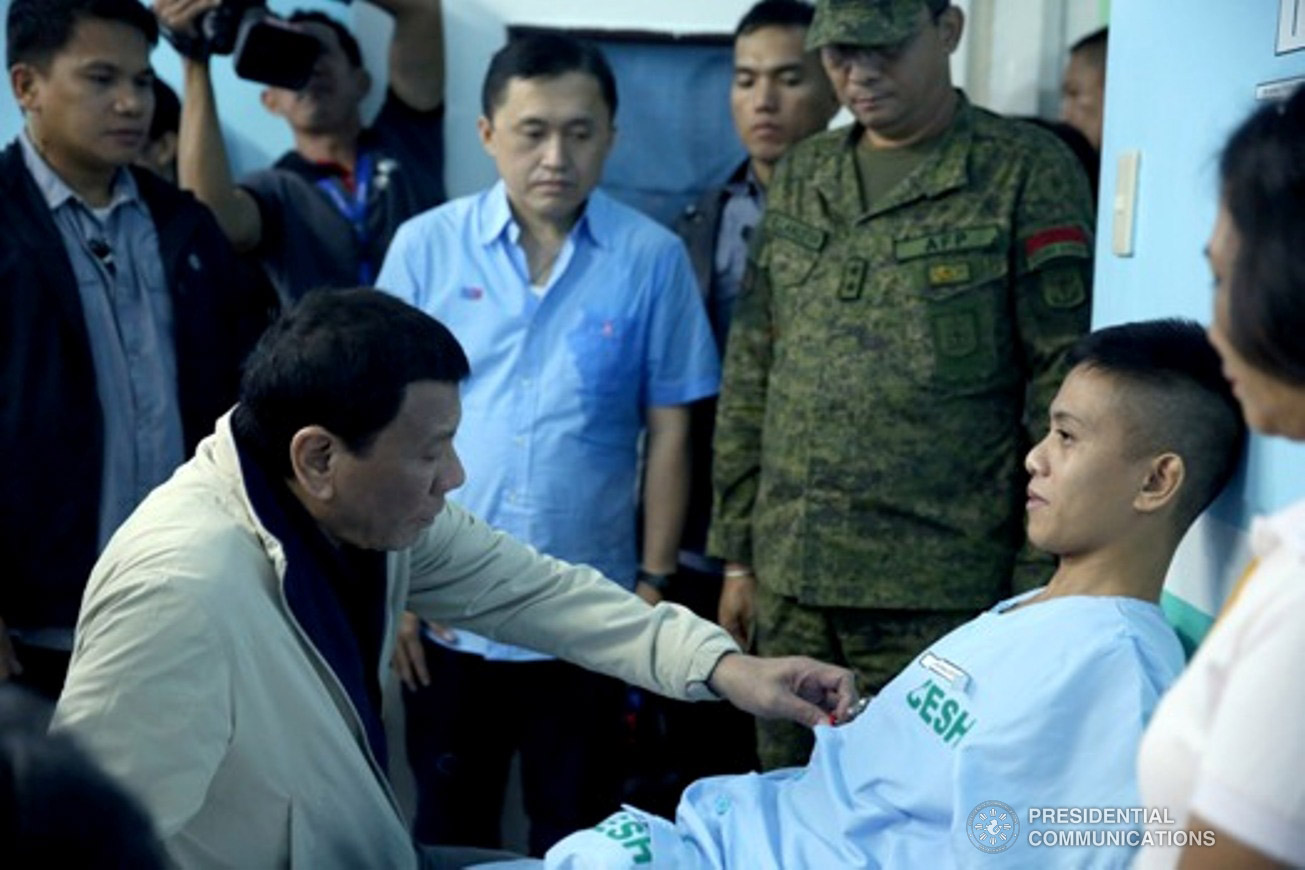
{"x":872,"y":421}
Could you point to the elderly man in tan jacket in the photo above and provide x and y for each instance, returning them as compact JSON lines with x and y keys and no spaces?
{"x":231,"y":644}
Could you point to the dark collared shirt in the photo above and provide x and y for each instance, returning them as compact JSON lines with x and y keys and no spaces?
{"x":114,"y":254}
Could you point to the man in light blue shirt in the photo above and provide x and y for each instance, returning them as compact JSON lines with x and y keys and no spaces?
{"x":584,"y":329}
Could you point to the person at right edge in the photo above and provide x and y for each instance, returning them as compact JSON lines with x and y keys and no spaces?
{"x":913,"y":289}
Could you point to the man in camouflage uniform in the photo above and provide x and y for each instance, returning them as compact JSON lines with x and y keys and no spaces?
{"x":917,"y":278}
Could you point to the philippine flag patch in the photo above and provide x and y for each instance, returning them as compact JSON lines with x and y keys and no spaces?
{"x":473,"y":292}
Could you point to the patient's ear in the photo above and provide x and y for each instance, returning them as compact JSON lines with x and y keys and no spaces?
{"x":1163,"y":481}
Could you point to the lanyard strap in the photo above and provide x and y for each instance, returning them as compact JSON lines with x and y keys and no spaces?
{"x":354,"y":210}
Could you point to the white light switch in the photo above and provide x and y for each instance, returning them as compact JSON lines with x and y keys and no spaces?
{"x":1291,"y":25}
{"x":1125,"y":203}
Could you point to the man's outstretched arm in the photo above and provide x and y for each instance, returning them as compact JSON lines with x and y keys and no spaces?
{"x":202,"y":166}
{"x":416,"y":52}
{"x":466,"y":574}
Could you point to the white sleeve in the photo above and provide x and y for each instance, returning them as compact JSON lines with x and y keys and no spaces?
{"x":628,"y":840}
{"x":1250,"y":777}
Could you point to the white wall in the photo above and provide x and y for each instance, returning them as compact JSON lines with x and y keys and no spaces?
{"x":1009,"y":60}
{"x":1084,"y":16}
{"x":475,"y":29}
{"x":1017,"y":51}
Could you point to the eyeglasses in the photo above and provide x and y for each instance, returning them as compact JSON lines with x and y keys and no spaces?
{"x":843,"y":56}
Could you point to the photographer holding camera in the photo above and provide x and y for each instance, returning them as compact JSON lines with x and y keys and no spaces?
{"x":324,"y":213}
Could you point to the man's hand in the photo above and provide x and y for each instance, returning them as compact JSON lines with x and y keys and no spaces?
{"x":409,"y":660}
{"x":180,"y":16}
{"x":416,"y":52}
{"x":9,"y":666}
{"x":648,"y":592}
{"x":793,"y":687}
{"x":738,"y":604}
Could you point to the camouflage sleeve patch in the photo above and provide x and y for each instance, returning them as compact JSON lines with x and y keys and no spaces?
{"x":1050,"y":244}
{"x":1063,"y":288}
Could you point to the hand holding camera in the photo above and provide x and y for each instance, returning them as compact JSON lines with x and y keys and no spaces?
{"x":264,"y":47}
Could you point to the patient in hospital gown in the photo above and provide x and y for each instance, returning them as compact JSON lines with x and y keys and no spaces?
{"x":1037,"y":704}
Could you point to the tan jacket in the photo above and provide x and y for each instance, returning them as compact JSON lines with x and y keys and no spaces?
{"x":193,"y":684}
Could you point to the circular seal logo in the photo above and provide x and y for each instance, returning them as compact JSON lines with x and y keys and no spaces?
{"x":993,"y":827}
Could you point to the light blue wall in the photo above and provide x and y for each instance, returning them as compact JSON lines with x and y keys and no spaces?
{"x":1181,"y":76}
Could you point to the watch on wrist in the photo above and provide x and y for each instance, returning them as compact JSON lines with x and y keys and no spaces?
{"x":660,"y":582}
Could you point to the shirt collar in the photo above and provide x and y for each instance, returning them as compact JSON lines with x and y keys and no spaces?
{"x":57,"y":192}
{"x":744,"y":182}
{"x":1286,"y":528}
{"x":496,"y":218}
{"x":946,"y":168}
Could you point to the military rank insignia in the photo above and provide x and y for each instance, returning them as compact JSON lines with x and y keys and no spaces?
{"x":943,"y":275}
{"x":849,"y":285}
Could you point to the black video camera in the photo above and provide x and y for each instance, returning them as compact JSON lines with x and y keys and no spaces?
{"x":264,"y":47}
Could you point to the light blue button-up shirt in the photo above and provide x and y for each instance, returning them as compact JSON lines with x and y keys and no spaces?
{"x":114,"y":254}
{"x":560,"y":380}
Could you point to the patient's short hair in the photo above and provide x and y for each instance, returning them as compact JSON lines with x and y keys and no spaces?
{"x":1177,"y":398}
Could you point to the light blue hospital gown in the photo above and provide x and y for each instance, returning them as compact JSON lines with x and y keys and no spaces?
{"x":1042,"y":706}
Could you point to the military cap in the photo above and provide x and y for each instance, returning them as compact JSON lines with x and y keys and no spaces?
{"x":867,"y":22}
